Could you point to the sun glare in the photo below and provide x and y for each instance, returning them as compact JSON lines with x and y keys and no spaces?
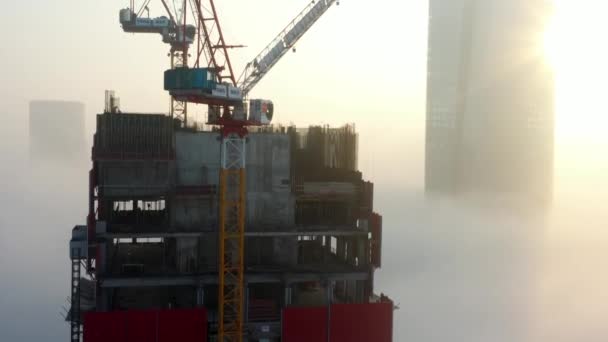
{"x":575,"y":47}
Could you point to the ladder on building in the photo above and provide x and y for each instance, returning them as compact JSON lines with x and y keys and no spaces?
{"x":75,"y":321}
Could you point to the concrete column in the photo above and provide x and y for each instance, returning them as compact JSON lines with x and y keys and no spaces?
{"x":330,"y":291}
{"x":330,"y":296}
{"x":246,"y":303}
{"x":352,"y":250}
{"x":340,"y":247}
{"x":327,"y":249}
{"x":101,"y":260}
{"x":288,"y":295}
{"x":360,"y":291}
{"x":200,"y":295}
{"x":103,"y":298}
{"x":361,"y":251}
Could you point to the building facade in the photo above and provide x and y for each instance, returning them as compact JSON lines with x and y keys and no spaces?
{"x":489,"y":116}
{"x":150,"y":244}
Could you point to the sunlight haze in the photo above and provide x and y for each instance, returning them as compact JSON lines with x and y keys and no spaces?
{"x":458,"y":273}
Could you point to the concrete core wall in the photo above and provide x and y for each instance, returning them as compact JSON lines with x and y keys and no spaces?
{"x":269,"y":200}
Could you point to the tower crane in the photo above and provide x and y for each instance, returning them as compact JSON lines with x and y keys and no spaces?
{"x":215,"y":85}
{"x":176,"y":31}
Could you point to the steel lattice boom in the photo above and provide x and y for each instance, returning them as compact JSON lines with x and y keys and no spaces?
{"x":285,"y":40}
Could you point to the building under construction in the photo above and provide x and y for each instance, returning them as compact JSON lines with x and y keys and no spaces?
{"x":241,"y":232}
{"x":312,"y":238}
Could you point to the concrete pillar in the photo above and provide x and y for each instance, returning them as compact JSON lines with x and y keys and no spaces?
{"x":288,"y":295}
{"x":361,"y":251}
{"x":329,"y":290}
{"x":340,"y":247}
{"x":103,"y":298}
{"x":352,"y":250}
{"x":327,"y":249}
{"x":102,"y":261}
{"x":246,"y":303}
{"x":366,"y":249}
{"x":360,"y":291}
{"x":330,"y":296}
{"x":200,"y":295}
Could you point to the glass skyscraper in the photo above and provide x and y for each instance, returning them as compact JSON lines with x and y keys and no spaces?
{"x":489,"y":116}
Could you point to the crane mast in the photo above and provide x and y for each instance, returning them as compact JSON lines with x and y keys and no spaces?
{"x":232,"y":177}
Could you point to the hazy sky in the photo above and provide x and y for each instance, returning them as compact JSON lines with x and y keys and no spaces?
{"x":361,"y":63}
{"x":457,"y":273}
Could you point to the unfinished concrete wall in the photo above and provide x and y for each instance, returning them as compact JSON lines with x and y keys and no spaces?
{"x":208,"y":253}
{"x":285,"y":251}
{"x":127,"y":259}
{"x":187,"y":255}
{"x":269,"y":200}
{"x":196,"y":255}
{"x":154,"y":297}
{"x":197,"y":158}
{"x":137,"y":178}
{"x":194,"y":214}
{"x":270,"y":204}
{"x":271,"y":251}
{"x":197,"y":164}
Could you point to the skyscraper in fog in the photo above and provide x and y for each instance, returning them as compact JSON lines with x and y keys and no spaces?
{"x":57,"y":131}
{"x":489,"y":118}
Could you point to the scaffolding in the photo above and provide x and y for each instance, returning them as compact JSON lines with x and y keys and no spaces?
{"x":75,"y":315}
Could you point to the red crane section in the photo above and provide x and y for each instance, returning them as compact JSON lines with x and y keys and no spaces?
{"x":211,"y":42}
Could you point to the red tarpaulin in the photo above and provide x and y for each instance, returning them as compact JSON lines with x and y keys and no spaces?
{"x":189,"y":325}
{"x":182,"y":325}
{"x":361,"y":322}
{"x":348,"y":323}
{"x":105,"y":326}
{"x":141,"y":326}
{"x":305,"y":324}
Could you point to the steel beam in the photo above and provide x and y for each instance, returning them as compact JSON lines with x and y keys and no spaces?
{"x":288,"y":278}
{"x":211,"y":234}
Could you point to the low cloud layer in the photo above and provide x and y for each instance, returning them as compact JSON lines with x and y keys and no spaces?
{"x":459,"y":271}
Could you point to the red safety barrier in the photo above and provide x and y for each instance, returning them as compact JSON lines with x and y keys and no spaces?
{"x":182,"y":325}
{"x":361,"y":322}
{"x":305,"y":324}
{"x":105,"y":326}
{"x":347,"y":323}
{"x":187,"y":325}
{"x":141,"y":326}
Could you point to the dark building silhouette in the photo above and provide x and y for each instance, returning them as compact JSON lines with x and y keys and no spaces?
{"x":489,"y":118}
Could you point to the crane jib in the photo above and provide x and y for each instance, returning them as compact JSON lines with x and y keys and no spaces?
{"x":285,"y":40}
